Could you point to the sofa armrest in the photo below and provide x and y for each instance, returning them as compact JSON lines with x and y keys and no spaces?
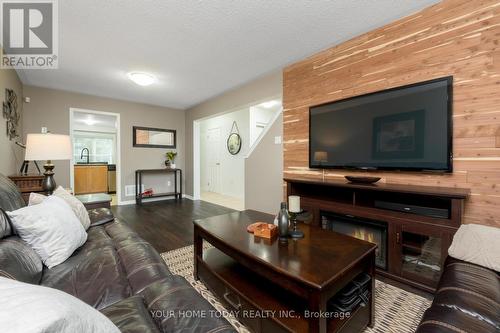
{"x":99,"y":216}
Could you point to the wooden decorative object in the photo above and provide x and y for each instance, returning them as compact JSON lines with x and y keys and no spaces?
{"x":454,"y":37}
{"x":362,"y":180}
{"x":10,"y":114}
{"x":266,"y":230}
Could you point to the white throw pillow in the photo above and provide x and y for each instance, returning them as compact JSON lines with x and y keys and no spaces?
{"x":478,"y":244}
{"x":29,"y":308}
{"x":50,"y":228}
{"x":36,"y":198}
{"x":75,"y":204}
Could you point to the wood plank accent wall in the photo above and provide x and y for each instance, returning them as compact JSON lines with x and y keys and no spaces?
{"x":454,"y":37}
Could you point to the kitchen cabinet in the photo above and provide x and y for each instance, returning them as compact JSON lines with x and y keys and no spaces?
{"x":91,"y":179}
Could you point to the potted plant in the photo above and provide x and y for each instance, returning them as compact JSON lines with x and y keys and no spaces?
{"x":169,"y":162}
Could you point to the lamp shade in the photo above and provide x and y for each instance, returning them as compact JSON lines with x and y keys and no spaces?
{"x":48,"y":147}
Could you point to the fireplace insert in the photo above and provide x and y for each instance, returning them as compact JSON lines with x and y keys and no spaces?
{"x":361,"y":228}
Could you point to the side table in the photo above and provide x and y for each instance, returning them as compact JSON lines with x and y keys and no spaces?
{"x":28,"y":183}
{"x":91,"y":201}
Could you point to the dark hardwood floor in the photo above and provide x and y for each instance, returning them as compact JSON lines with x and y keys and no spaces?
{"x":167,"y":225}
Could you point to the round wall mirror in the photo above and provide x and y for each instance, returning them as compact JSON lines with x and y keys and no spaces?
{"x":234,"y":143}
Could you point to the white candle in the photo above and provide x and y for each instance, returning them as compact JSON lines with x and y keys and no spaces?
{"x":294,"y":204}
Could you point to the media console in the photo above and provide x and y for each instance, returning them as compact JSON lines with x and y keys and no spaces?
{"x":414,"y":225}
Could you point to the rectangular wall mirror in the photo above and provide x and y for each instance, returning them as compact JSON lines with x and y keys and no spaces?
{"x":148,"y":137}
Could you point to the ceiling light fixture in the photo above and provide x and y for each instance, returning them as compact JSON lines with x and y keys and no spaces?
{"x":142,"y":79}
{"x":90,"y":121}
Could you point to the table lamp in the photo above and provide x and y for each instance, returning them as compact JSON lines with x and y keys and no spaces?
{"x":48,"y":147}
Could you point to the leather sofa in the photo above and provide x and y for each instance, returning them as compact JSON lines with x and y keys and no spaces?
{"x":115,"y":271}
{"x":467,"y":300}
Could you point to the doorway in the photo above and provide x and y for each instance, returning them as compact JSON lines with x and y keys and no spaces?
{"x":218,"y":174}
{"x":222,"y":173}
{"x":95,"y":164}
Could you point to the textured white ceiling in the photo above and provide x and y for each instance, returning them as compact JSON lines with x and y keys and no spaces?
{"x":198,"y":49}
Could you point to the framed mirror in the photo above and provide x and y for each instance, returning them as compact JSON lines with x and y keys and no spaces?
{"x":234,"y":143}
{"x":148,"y":137}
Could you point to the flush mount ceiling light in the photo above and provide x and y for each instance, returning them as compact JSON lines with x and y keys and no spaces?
{"x":90,"y":121}
{"x":142,"y":79}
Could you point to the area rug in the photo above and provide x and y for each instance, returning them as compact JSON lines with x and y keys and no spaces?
{"x":396,"y":310}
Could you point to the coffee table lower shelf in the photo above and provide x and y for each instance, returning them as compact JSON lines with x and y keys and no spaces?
{"x":261,"y":305}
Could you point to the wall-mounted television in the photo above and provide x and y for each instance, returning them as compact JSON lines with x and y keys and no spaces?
{"x":403,"y":128}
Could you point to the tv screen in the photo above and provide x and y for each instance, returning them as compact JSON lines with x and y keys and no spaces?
{"x":405,"y":128}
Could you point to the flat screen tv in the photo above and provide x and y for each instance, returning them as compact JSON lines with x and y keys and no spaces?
{"x":404,"y":128}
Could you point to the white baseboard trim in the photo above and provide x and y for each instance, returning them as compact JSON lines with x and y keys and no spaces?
{"x":132,"y":202}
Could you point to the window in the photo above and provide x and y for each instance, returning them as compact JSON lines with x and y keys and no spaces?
{"x":101,"y":146}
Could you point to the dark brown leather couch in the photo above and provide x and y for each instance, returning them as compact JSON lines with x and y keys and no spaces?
{"x":115,"y":271}
{"x":467,"y":300}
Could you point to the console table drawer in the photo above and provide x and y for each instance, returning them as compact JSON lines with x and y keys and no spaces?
{"x":232,"y":299}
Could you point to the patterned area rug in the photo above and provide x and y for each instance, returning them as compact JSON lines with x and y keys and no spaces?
{"x":396,"y":310}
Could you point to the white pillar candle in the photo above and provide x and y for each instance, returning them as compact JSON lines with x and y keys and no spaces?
{"x":294,"y":204}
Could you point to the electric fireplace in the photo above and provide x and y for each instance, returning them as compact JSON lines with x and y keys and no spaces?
{"x":369,"y":230}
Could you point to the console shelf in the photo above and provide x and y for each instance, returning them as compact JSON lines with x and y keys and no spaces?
{"x":421,"y":220}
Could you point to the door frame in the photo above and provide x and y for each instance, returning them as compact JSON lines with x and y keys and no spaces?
{"x":72,"y":111}
{"x":197,"y":135}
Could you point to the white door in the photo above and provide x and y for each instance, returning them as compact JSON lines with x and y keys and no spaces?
{"x":214,"y":153}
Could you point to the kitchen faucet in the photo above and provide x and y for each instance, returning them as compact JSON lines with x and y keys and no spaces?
{"x":87,"y":156}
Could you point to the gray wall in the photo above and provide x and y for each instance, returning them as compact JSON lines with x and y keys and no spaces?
{"x":261,"y":89}
{"x":12,"y":155}
{"x":264,"y":172}
{"x":50,"y":108}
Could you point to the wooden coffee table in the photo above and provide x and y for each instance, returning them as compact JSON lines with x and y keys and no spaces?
{"x":255,"y":277}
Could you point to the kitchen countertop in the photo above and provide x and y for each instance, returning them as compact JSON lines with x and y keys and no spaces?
{"x":91,"y":164}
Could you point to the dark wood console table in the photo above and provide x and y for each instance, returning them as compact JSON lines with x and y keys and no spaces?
{"x":177,"y":193}
{"x":417,"y":239}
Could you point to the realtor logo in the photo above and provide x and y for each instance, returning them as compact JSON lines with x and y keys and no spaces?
{"x":29,"y":34}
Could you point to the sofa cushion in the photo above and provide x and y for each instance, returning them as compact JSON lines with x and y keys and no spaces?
{"x":18,"y":261}
{"x":131,"y":316}
{"x":142,"y":263}
{"x":171,"y":300}
{"x":93,"y":274}
{"x":442,"y":319}
{"x":472,"y":289}
{"x":467,"y":299}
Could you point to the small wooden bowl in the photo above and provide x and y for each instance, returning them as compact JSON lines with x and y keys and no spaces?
{"x":251,"y":227}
